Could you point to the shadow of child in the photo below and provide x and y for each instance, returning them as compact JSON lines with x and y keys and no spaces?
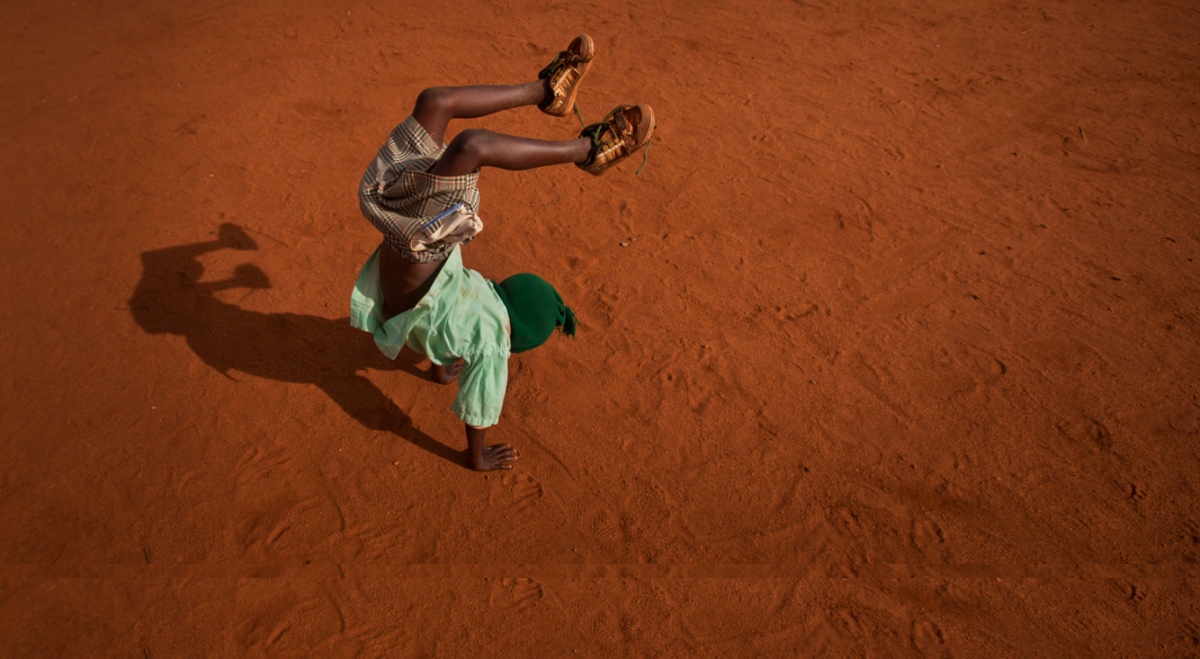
{"x":286,"y":347}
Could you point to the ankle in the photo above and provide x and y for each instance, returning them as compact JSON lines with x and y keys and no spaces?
{"x":582,"y":149}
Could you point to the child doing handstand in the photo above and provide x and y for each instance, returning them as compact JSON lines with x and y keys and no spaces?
{"x":423,"y":195}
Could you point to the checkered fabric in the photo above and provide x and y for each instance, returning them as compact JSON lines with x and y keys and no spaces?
{"x":401,"y":198}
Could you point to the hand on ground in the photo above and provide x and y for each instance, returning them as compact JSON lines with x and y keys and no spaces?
{"x":496,"y":456}
{"x":445,"y":374}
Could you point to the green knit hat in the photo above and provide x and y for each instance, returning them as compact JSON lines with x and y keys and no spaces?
{"x":535,"y":310}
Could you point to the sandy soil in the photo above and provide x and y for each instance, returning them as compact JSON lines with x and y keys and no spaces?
{"x":899,"y":358}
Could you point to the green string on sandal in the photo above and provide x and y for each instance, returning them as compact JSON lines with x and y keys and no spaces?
{"x":646,"y":153}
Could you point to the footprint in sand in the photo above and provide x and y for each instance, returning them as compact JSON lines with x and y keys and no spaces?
{"x":1060,"y":353}
{"x":927,"y":536}
{"x":526,"y":490}
{"x":258,"y":463}
{"x":607,"y":527}
{"x":1088,"y":433}
{"x":846,"y":623}
{"x":281,"y":622}
{"x":849,"y":522}
{"x":606,"y":627}
{"x":1137,"y":594}
{"x":927,"y":637}
{"x":179,"y":482}
{"x":1185,"y":419}
{"x":263,"y":528}
{"x":1137,"y":493}
{"x":522,"y":593}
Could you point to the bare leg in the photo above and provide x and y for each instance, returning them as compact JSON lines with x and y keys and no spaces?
{"x":436,"y":106}
{"x":476,"y":147}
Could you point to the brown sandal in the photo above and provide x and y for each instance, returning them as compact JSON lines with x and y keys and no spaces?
{"x":564,"y":73}
{"x":625,"y":130}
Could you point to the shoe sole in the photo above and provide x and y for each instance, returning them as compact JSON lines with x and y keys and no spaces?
{"x":645,"y":127}
{"x":587,"y":48}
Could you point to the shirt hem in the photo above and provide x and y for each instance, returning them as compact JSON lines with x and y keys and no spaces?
{"x":476,"y":420}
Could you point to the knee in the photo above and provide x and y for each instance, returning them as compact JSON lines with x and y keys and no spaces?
{"x":434,"y":99}
{"x":473,"y":143}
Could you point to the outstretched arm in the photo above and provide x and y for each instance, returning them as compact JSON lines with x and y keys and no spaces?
{"x":487,"y":458}
{"x":481,"y":385}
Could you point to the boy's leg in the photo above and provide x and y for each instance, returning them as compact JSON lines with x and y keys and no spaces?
{"x":436,"y":106}
{"x":475,"y":148}
{"x":554,"y":92}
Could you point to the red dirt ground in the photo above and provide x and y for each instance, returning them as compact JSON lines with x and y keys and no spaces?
{"x":900,"y":358}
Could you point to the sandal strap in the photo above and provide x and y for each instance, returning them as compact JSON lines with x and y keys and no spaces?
{"x":613,"y":123}
{"x":645,"y":154}
{"x":563,"y":59}
{"x":621,"y":124}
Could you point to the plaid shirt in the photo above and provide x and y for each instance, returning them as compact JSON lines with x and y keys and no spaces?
{"x":402,"y":199}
